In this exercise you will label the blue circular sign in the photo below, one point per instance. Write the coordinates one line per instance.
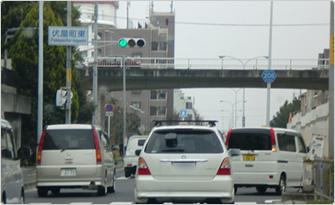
(269, 76)
(109, 107)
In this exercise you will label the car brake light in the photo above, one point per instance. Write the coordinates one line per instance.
(273, 140)
(227, 139)
(97, 146)
(40, 147)
(224, 168)
(143, 168)
(137, 63)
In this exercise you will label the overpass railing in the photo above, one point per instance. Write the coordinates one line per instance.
(197, 63)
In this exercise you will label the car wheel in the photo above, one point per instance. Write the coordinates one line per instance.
(127, 173)
(101, 191)
(261, 189)
(42, 192)
(282, 185)
(22, 198)
(4, 199)
(55, 191)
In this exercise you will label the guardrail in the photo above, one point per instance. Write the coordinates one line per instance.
(323, 177)
(197, 63)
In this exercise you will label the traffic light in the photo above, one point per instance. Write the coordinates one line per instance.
(132, 42)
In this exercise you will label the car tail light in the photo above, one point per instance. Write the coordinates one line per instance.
(227, 138)
(273, 140)
(224, 168)
(40, 148)
(97, 146)
(137, 63)
(143, 168)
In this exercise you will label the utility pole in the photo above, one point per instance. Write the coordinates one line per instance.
(95, 67)
(124, 125)
(331, 86)
(68, 71)
(269, 68)
(40, 72)
(128, 5)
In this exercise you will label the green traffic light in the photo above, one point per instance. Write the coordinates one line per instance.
(123, 43)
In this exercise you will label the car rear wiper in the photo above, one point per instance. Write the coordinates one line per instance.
(172, 150)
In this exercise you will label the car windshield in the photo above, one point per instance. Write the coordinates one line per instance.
(68, 139)
(250, 141)
(185, 141)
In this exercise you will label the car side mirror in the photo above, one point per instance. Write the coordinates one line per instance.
(235, 152)
(23, 152)
(138, 152)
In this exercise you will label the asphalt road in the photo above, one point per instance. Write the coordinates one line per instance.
(125, 194)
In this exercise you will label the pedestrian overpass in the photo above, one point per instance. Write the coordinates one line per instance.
(169, 73)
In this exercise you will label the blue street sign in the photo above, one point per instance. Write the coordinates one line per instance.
(109, 107)
(183, 113)
(269, 76)
(67, 36)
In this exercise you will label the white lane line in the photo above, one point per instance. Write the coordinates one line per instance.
(245, 203)
(121, 178)
(81, 202)
(270, 201)
(122, 202)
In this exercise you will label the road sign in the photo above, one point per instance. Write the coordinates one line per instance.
(108, 114)
(269, 76)
(109, 108)
(67, 36)
(61, 97)
(183, 113)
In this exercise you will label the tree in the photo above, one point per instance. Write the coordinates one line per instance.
(282, 116)
(24, 54)
(132, 122)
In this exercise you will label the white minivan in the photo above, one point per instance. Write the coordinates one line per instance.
(135, 144)
(12, 187)
(270, 158)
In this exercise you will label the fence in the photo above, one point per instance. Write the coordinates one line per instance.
(323, 177)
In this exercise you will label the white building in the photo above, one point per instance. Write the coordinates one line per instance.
(106, 20)
(180, 101)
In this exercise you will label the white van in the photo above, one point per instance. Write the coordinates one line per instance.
(135, 143)
(12, 186)
(270, 158)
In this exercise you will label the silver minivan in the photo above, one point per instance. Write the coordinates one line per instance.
(74, 156)
(12, 186)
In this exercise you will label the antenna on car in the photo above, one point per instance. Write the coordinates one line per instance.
(210, 122)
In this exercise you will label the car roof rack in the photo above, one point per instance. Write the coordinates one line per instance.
(197, 122)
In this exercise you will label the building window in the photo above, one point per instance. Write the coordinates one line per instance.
(100, 35)
(167, 22)
(162, 46)
(137, 55)
(154, 46)
(153, 111)
(162, 95)
(153, 94)
(136, 91)
(157, 21)
(315, 93)
(188, 105)
(161, 111)
(136, 105)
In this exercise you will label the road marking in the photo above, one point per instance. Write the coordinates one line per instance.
(122, 202)
(270, 201)
(81, 202)
(245, 203)
(122, 178)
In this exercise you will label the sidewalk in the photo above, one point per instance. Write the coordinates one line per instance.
(29, 174)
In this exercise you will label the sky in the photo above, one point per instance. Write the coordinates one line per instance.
(241, 29)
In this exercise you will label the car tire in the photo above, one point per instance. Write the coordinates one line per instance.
(42, 192)
(281, 186)
(127, 173)
(101, 191)
(22, 198)
(261, 189)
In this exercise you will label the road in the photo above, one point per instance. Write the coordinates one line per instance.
(125, 195)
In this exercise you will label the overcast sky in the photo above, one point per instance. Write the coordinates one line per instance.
(246, 40)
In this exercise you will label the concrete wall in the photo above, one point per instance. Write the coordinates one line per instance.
(313, 122)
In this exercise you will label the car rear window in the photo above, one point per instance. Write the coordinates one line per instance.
(186, 141)
(250, 141)
(68, 139)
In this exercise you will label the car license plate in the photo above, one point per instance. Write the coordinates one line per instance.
(68, 172)
(249, 157)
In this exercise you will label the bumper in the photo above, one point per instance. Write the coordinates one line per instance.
(220, 187)
(254, 179)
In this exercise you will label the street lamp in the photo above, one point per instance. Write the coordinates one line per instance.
(244, 64)
(232, 111)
